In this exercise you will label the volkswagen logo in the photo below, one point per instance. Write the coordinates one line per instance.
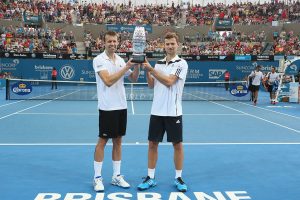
(67, 72)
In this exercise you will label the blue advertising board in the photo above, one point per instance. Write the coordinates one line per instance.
(127, 28)
(75, 70)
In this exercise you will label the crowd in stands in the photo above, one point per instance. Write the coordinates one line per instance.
(25, 39)
(108, 13)
(225, 43)
(22, 39)
(245, 13)
(286, 43)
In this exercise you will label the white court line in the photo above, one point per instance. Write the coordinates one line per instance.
(277, 124)
(146, 144)
(35, 106)
(85, 114)
(132, 107)
(71, 114)
(270, 110)
(11, 103)
(30, 98)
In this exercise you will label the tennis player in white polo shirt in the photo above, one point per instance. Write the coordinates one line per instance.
(167, 78)
(110, 70)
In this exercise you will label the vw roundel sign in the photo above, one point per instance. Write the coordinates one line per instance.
(67, 72)
(238, 90)
(21, 88)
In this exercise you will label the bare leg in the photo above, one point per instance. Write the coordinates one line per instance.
(152, 154)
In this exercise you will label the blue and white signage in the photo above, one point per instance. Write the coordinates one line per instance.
(238, 90)
(21, 88)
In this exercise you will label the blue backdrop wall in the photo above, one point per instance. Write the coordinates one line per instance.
(74, 70)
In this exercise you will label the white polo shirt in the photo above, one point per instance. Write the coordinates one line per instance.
(258, 76)
(272, 77)
(167, 101)
(113, 97)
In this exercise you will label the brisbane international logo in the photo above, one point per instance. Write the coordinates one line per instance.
(67, 72)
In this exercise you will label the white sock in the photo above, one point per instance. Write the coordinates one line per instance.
(178, 173)
(97, 168)
(151, 172)
(116, 168)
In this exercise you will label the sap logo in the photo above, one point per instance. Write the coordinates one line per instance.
(216, 73)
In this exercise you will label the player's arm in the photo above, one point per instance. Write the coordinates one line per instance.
(133, 77)
(110, 79)
(164, 79)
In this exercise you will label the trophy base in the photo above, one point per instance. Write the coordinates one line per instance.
(138, 58)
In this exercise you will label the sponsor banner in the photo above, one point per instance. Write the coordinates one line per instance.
(262, 57)
(148, 54)
(238, 90)
(293, 68)
(242, 57)
(83, 69)
(127, 28)
(294, 92)
(74, 70)
(21, 88)
(278, 57)
(44, 56)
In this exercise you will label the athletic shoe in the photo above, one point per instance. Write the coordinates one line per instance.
(98, 184)
(147, 183)
(180, 185)
(119, 181)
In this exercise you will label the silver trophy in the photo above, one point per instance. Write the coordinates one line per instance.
(139, 45)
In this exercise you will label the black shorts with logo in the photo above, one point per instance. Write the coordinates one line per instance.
(161, 124)
(112, 124)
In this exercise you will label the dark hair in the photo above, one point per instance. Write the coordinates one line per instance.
(171, 35)
(110, 33)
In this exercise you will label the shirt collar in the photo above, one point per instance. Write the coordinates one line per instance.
(105, 56)
(173, 59)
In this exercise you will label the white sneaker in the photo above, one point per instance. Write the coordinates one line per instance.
(98, 184)
(119, 181)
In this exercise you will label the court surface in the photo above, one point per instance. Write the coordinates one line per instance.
(233, 150)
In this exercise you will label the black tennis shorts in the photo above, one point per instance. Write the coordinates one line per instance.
(255, 88)
(161, 124)
(112, 124)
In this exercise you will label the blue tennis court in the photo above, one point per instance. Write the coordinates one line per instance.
(233, 151)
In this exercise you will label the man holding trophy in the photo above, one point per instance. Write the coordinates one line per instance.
(110, 70)
(167, 78)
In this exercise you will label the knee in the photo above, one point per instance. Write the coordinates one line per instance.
(117, 141)
(153, 146)
(178, 146)
(100, 147)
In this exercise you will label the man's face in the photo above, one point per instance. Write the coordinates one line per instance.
(171, 46)
(111, 43)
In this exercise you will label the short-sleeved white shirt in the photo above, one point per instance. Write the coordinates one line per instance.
(167, 101)
(272, 78)
(113, 97)
(257, 77)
